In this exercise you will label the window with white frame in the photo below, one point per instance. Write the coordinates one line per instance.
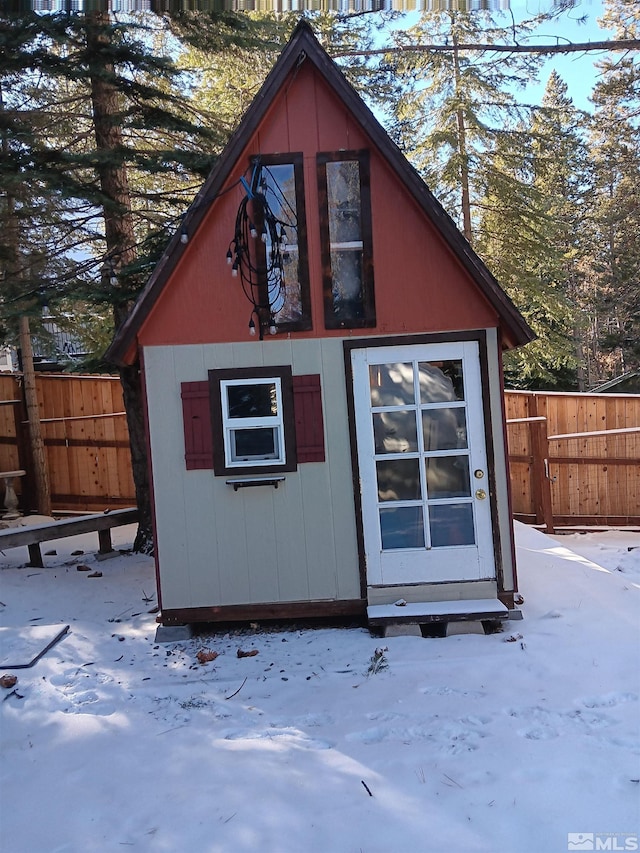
(252, 419)
(252, 422)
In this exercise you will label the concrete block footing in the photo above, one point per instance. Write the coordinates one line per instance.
(107, 555)
(173, 633)
(465, 627)
(402, 630)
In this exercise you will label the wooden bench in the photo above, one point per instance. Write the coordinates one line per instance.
(33, 535)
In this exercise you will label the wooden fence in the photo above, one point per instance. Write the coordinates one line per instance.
(85, 436)
(575, 458)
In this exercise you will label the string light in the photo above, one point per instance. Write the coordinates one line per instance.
(260, 263)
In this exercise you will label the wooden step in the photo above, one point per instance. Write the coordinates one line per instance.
(422, 612)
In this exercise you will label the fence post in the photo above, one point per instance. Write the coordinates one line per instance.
(541, 483)
(28, 499)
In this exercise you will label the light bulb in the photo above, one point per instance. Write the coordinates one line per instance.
(272, 328)
(252, 328)
(252, 230)
(229, 257)
(234, 269)
(184, 237)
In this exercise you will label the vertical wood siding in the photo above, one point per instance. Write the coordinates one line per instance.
(594, 479)
(220, 547)
(607, 488)
(85, 436)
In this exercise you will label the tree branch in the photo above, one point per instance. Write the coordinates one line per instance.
(584, 47)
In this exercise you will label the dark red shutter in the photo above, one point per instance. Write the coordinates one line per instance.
(307, 401)
(196, 413)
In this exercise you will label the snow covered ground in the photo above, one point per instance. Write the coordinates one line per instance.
(508, 742)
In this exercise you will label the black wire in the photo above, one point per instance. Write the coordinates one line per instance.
(258, 278)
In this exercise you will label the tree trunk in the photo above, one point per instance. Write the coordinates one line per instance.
(462, 148)
(120, 240)
(38, 455)
(132, 394)
(13, 275)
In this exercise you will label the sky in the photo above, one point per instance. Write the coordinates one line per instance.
(577, 70)
(522, 741)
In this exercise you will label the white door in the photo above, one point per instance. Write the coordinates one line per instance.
(423, 463)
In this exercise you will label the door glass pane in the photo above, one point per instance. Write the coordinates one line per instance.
(391, 384)
(448, 477)
(451, 524)
(444, 429)
(441, 381)
(254, 444)
(401, 527)
(398, 480)
(395, 432)
(252, 401)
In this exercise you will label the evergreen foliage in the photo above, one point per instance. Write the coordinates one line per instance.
(516, 178)
(614, 270)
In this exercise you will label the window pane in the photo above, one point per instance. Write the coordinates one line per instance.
(279, 188)
(289, 306)
(448, 477)
(252, 401)
(444, 429)
(391, 384)
(441, 381)
(343, 192)
(346, 239)
(260, 443)
(395, 432)
(398, 480)
(346, 288)
(451, 524)
(401, 527)
(281, 185)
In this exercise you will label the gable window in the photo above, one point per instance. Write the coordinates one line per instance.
(253, 422)
(346, 241)
(281, 184)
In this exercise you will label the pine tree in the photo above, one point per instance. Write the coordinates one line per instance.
(562, 180)
(614, 273)
(515, 238)
(93, 77)
(457, 106)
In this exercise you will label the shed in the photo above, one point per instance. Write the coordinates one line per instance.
(321, 352)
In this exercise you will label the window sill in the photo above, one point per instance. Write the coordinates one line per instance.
(254, 481)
